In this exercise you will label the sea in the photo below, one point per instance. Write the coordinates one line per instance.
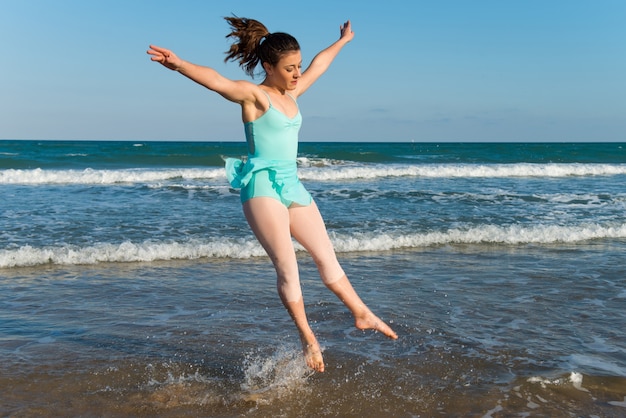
(131, 285)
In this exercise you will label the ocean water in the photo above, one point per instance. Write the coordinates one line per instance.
(130, 284)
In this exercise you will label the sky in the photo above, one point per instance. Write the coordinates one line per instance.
(422, 71)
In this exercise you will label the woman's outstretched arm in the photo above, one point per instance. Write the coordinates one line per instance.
(324, 58)
(237, 91)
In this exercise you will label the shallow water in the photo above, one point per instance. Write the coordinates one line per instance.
(130, 284)
(483, 332)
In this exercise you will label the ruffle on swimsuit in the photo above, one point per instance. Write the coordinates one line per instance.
(282, 173)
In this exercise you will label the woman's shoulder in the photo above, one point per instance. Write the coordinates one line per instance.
(258, 103)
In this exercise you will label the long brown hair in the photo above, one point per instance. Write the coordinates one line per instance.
(256, 44)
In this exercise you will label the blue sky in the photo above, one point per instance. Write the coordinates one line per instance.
(438, 70)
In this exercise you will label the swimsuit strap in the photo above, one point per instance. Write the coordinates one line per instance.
(268, 97)
(270, 100)
(292, 98)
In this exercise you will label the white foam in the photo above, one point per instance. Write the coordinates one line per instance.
(90, 176)
(576, 379)
(463, 170)
(128, 252)
(321, 162)
(316, 169)
(487, 234)
(358, 242)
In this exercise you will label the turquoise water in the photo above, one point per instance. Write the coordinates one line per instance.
(131, 284)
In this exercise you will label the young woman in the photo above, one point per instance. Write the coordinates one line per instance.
(275, 203)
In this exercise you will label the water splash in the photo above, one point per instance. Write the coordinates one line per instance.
(274, 376)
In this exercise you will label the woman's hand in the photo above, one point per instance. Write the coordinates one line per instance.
(165, 57)
(346, 31)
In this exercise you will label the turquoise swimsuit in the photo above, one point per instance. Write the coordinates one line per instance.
(270, 169)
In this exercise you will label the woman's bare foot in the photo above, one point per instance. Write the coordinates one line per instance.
(370, 321)
(310, 346)
(313, 354)
(363, 317)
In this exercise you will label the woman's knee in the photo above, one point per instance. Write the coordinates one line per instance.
(330, 270)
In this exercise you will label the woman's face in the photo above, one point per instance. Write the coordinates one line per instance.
(286, 72)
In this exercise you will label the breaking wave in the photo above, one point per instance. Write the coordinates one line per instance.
(149, 251)
(323, 171)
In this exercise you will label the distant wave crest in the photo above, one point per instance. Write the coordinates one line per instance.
(464, 170)
(325, 170)
(360, 242)
(91, 176)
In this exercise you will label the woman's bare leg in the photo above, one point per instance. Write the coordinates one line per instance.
(269, 220)
(307, 226)
(310, 347)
